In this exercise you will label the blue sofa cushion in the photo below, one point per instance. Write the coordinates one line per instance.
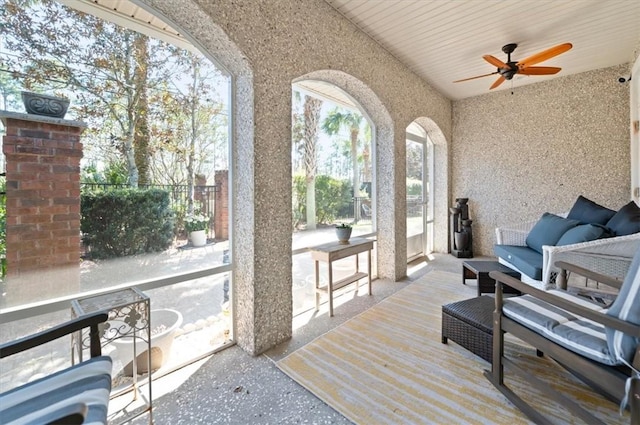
(582, 233)
(548, 231)
(523, 258)
(626, 307)
(626, 221)
(587, 212)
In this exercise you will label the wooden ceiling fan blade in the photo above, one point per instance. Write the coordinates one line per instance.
(499, 81)
(495, 61)
(539, 70)
(545, 54)
(477, 76)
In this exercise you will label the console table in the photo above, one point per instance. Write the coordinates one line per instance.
(333, 251)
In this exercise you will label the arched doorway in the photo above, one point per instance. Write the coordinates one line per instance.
(333, 179)
(420, 206)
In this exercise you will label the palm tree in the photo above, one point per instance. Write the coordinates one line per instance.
(336, 120)
(312, 108)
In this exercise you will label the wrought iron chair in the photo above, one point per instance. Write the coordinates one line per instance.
(598, 344)
(75, 395)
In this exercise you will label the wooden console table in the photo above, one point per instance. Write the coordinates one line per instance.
(333, 251)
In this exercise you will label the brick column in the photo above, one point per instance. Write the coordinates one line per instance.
(221, 211)
(43, 192)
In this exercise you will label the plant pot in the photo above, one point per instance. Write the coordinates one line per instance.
(42, 104)
(163, 326)
(198, 238)
(343, 234)
(461, 239)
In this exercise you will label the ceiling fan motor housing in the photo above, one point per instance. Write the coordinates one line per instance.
(508, 73)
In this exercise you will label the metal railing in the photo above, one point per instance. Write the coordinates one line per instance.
(204, 196)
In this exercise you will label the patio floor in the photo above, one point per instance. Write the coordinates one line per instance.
(237, 388)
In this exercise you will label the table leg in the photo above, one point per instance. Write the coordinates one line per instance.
(330, 288)
(357, 270)
(317, 285)
(369, 270)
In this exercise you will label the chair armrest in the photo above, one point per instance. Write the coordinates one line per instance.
(598, 277)
(604, 319)
(515, 234)
(617, 246)
(610, 256)
(88, 321)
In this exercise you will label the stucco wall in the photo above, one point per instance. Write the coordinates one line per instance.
(269, 44)
(518, 155)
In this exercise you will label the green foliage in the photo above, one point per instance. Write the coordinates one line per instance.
(414, 187)
(124, 222)
(333, 198)
(194, 222)
(113, 173)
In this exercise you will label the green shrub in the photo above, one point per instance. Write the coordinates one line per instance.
(333, 199)
(117, 223)
(414, 187)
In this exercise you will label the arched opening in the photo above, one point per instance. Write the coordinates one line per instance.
(438, 184)
(382, 159)
(333, 180)
(420, 168)
(175, 282)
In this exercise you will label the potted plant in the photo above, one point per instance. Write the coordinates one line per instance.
(196, 226)
(43, 104)
(343, 232)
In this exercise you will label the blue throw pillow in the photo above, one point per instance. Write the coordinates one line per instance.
(581, 233)
(548, 231)
(626, 307)
(587, 212)
(626, 221)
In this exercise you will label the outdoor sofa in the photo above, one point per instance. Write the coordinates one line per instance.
(589, 235)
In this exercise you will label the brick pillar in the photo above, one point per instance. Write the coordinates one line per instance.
(221, 209)
(43, 192)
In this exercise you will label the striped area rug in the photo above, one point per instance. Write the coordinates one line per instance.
(389, 366)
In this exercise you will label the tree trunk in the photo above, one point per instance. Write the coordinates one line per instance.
(354, 160)
(312, 108)
(191, 155)
(141, 135)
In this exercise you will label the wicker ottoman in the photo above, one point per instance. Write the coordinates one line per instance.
(469, 323)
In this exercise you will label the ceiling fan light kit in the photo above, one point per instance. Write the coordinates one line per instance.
(507, 70)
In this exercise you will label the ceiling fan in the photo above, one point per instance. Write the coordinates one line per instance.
(510, 68)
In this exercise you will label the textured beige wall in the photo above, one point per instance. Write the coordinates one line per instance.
(518, 155)
(267, 44)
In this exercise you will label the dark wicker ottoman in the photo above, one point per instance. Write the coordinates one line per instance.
(469, 323)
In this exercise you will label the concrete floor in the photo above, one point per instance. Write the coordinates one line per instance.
(232, 387)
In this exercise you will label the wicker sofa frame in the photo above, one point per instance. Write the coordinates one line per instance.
(609, 256)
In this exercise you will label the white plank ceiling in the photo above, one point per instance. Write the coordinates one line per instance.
(443, 41)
